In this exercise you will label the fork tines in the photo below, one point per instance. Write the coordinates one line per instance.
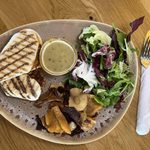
(146, 49)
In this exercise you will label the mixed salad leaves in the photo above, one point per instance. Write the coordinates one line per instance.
(103, 65)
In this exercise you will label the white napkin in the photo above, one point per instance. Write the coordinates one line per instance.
(143, 116)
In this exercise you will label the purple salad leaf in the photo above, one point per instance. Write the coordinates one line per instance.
(107, 84)
(102, 51)
(106, 51)
(108, 61)
(134, 26)
(100, 75)
(97, 71)
(114, 43)
(82, 56)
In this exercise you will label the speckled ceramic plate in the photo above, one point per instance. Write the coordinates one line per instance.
(22, 113)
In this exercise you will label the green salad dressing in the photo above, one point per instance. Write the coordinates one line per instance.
(58, 56)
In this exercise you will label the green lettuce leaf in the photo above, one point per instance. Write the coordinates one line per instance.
(110, 97)
(119, 70)
(93, 39)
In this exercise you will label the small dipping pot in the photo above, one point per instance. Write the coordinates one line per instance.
(57, 57)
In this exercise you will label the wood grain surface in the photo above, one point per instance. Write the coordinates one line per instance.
(14, 13)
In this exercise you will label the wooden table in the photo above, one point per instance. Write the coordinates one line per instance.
(18, 12)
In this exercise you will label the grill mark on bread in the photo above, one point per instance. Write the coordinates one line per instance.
(12, 63)
(31, 87)
(6, 87)
(15, 64)
(24, 33)
(30, 40)
(22, 55)
(14, 70)
(29, 36)
(28, 96)
(16, 53)
(5, 91)
(30, 45)
(16, 87)
(9, 89)
(22, 87)
(21, 39)
(16, 44)
(8, 62)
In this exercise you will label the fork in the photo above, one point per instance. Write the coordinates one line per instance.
(145, 55)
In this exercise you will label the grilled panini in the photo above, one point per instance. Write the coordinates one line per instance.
(22, 87)
(19, 55)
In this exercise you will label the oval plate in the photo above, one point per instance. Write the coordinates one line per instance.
(22, 113)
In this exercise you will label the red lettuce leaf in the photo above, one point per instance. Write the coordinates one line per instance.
(134, 26)
(109, 59)
(114, 43)
(101, 74)
(109, 53)
(82, 56)
(96, 63)
(102, 51)
(107, 84)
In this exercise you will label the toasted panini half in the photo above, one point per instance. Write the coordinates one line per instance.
(22, 87)
(19, 55)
